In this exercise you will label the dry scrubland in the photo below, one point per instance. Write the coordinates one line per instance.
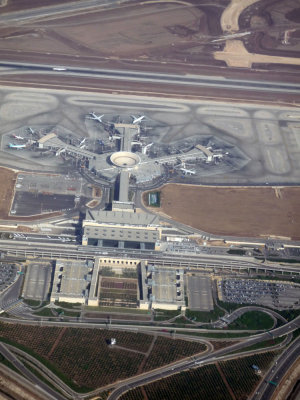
(237, 211)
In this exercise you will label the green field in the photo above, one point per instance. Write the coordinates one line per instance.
(253, 320)
(205, 316)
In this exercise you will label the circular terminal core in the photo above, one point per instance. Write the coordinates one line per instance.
(125, 159)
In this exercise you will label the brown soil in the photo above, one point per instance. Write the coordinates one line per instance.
(221, 345)
(7, 183)
(237, 211)
(13, 388)
(20, 5)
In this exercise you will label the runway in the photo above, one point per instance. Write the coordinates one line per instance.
(155, 78)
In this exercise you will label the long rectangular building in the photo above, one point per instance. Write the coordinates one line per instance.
(121, 229)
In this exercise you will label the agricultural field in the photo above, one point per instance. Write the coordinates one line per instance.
(92, 362)
(206, 382)
(210, 382)
(118, 292)
(240, 375)
(166, 351)
(237, 211)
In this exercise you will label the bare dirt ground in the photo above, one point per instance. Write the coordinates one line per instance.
(183, 35)
(235, 211)
(7, 183)
(12, 388)
(18, 5)
(162, 90)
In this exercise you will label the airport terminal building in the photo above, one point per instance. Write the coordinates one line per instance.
(121, 228)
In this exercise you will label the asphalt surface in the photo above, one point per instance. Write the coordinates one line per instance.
(52, 394)
(192, 80)
(265, 390)
(62, 250)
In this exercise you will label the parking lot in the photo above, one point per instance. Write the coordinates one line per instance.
(7, 275)
(37, 281)
(275, 294)
(26, 203)
(200, 293)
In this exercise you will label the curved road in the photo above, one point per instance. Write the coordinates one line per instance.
(184, 365)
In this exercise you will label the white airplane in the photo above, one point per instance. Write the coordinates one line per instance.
(96, 117)
(81, 143)
(82, 147)
(18, 137)
(187, 171)
(136, 120)
(60, 151)
(145, 148)
(31, 130)
(16, 146)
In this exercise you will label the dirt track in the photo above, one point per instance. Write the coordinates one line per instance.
(236, 211)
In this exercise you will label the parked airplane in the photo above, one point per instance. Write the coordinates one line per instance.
(31, 130)
(18, 137)
(187, 171)
(81, 143)
(136, 120)
(60, 151)
(16, 146)
(145, 148)
(83, 146)
(96, 117)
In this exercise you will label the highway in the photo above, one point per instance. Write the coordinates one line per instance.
(67, 250)
(154, 78)
(206, 359)
(265, 390)
(52, 394)
(168, 370)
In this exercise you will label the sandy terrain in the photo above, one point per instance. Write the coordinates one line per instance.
(236, 55)
(237, 211)
(7, 183)
(230, 16)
